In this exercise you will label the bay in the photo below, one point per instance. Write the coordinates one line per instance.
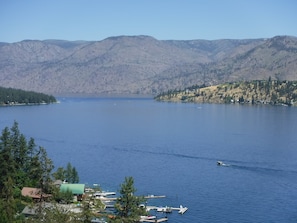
(171, 149)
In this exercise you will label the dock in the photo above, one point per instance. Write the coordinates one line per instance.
(105, 198)
(155, 220)
(180, 209)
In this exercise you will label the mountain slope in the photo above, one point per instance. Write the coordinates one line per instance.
(142, 64)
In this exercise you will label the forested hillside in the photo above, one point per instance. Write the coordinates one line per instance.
(24, 164)
(26, 167)
(10, 96)
(252, 92)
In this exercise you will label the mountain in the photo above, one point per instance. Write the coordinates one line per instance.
(142, 64)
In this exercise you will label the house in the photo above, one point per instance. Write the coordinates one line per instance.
(34, 193)
(76, 189)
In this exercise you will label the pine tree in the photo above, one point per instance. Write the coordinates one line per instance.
(71, 174)
(127, 205)
(46, 166)
(7, 194)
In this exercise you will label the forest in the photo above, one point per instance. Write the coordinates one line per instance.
(11, 96)
(24, 164)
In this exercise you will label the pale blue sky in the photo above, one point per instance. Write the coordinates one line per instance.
(162, 19)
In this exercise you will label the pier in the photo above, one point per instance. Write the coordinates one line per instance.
(180, 209)
(154, 220)
(109, 203)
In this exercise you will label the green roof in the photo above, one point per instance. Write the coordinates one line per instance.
(74, 188)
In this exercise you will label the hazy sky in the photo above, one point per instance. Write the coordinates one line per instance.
(162, 19)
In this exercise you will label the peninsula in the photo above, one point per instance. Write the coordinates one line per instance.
(271, 92)
(11, 96)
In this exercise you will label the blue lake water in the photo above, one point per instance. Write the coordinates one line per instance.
(171, 149)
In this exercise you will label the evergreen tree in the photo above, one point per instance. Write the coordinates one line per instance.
(46, 166)
(3, 213)
(7, 164)
(59, 174)
(10, 96)
(71, 174)
(127, 205)
(20, 165)
(75, 178)
(8, 199)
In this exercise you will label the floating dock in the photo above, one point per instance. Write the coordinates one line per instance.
(155, 220)
(180, 209)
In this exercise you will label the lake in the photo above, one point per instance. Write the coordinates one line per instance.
(171, 149)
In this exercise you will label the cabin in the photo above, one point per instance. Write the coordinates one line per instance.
(76, 189)
(34, 193)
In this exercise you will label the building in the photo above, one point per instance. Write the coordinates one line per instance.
(34, 193)
(76, 189)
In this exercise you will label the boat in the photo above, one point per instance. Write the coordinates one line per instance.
(164, 209)
(182, 209)
(150, 196)
(103, 193)
(149, 217)
(220, 163)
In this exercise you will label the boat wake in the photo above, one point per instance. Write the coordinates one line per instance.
(264, 170)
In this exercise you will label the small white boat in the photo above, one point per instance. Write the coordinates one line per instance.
(220, 163)
(103, 194)
(164, 209)
(149, 217)
(182, 209)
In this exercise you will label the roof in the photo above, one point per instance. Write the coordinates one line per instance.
(74, 188)
(31, 210)
(33, 192)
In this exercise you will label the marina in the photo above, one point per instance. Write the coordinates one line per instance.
(108, 199)
(108, 202)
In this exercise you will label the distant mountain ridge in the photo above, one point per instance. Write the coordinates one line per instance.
(142, 64)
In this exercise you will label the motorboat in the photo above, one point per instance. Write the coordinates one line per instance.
(103, 193)
(220, 163)
(164, 209)
(182, 209)
(150, 217)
